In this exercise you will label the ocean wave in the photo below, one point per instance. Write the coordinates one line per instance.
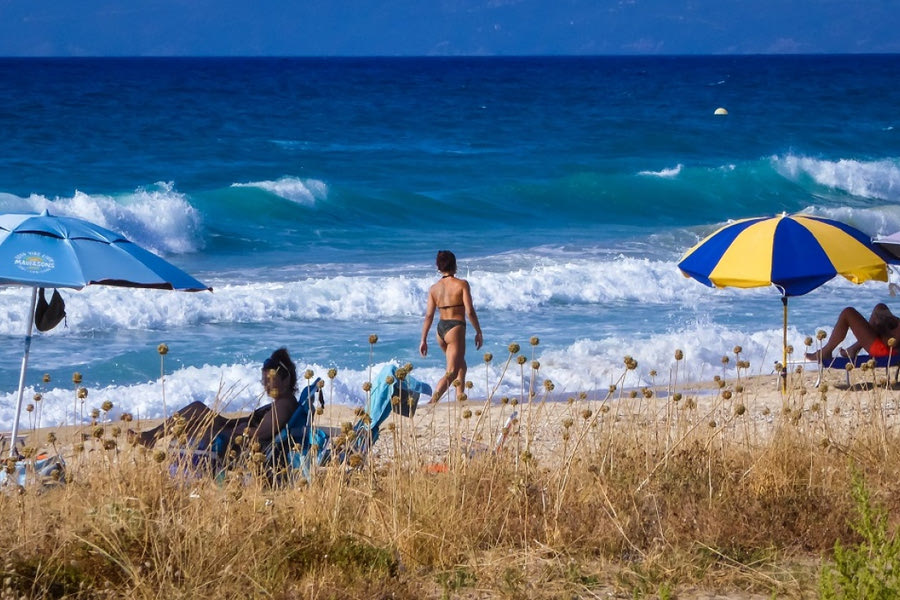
(875, 179)
(354, 297)
(158, 217)
(673, 172)
(584, 365)
(301, 191)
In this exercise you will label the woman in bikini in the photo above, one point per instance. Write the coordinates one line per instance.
(872, 334)
(279, 378)
(453, 298)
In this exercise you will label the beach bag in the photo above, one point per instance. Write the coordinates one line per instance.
(47, 315)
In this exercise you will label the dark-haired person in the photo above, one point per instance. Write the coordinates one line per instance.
(872, 334)
(279, 378)
(453, 298)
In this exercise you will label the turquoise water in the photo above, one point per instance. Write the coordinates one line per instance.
(312, 194)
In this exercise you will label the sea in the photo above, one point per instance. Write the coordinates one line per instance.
(312, 195)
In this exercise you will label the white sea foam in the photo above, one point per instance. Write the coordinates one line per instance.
(363, 297)
(159, 218)
(584, 365)
(664, 173)
(878, 179)
(300, 191)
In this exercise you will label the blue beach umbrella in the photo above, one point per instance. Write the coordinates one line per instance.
(65, 252)
(794, 253)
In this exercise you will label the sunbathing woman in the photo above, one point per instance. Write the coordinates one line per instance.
(872, 334)
(453, 298)
(279, 378)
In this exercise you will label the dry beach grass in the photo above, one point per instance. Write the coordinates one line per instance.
(728, 489)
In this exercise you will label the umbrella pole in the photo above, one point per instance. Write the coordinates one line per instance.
(15, 429)
(784, 344)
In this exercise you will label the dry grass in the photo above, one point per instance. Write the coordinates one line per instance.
(685, 492)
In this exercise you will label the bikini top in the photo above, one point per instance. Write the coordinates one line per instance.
(449, 305)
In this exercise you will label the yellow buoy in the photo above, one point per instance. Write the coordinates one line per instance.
(721, 111)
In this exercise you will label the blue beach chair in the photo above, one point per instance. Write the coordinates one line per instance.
(841, 362)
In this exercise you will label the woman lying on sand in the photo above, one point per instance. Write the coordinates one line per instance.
(279, 377)
(873, 335)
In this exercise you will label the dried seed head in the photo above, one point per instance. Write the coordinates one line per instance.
(504, 400)
(679, 354)
(159, 456)
(82, 393)
(534, 341)
(29, 407)
(789, 349)
(332, 373)
(740, 409)
(725, 359)
(652, 373)
(521, 360)
(535, 365)
(467, 414)
(107, 405)
(51, 438)
(163, 349)
(632, 394)
(737, 350)
(367, 386)
(612, 388)
(513, 348)
(462, 398)
(308, 374)
(808, 341)
(712, 424)
(586, 414)
(469, 385)
(548, 385)
(488, 357)
(95, 413)
(373, 339)
(821, 335)
(389, 379)
(567, 423)
(892, 342)
(514, 402)
(46, 377)
(676, 397)
(76, 377)
(38, 397)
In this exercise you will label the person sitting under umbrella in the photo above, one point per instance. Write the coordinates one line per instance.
(279, 377)
(873, 334)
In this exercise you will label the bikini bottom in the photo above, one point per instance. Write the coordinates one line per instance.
(445, 325)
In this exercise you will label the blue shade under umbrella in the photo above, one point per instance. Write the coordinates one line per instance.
(66, 252)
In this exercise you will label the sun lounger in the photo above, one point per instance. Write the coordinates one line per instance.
(841, 362)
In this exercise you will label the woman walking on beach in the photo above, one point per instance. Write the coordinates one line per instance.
(279, 378)
(453, 298)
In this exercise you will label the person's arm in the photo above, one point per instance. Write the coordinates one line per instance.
(429, 319)
(470, 311)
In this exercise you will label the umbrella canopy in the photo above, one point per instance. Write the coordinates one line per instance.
(66, 252)
(794, 253)
(891, 245)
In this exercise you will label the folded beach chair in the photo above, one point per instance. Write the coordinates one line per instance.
(393, 390)
(841, 362)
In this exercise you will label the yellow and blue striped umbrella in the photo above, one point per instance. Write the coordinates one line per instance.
(795, 253)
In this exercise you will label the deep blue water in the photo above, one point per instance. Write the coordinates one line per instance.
(312, 195)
